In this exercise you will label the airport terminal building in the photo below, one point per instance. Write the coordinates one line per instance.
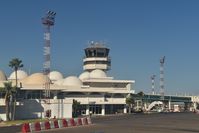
(97, 93)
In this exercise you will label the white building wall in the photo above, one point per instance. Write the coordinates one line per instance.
(96, 66)
(61, 108)
(2, 102)
(2, 113)
(28, 109)
(34, 108)
(129, 86)
(99, 100)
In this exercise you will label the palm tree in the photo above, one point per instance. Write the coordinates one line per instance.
(8, 95)
(130, 101)
(140, 96)
(15, 64)
(76, 108)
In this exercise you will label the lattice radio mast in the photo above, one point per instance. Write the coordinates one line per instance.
(153, 84)
(162, 61)
(48, 20)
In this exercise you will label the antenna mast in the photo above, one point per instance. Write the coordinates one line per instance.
(162, 61)
(48, 20)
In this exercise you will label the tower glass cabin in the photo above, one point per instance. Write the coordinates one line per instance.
(96, 57)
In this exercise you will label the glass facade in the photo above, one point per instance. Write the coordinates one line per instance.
(95, 109)
(114, 108)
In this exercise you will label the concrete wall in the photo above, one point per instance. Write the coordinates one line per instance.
(61, 109)
(30, 109)
(34, 108)
(2, 113)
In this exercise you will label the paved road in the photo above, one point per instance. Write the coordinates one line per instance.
(139, 123)
(155, 123)
(10, 129)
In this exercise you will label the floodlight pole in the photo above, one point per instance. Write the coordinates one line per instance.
(162, 89)
(48, 20)
(153, 84)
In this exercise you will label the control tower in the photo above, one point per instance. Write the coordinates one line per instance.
(96, 57)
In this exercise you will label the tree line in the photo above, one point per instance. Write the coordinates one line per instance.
(10, 91)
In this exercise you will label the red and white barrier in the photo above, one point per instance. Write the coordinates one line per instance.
(60, 123)
(42, 125)
(56, 125)
(72, 122)
(35, 126)
(65, 123)
(32, 127)
(25, 128)
(89, 120)
(52, 124)
(47, 125)
(84, 121)
(68, 122)
(78, 121)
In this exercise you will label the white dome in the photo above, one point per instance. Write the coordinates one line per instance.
(59, 82)
(36, 78)
(84, 75)
(2, 76)
(20, 75)
(97, 74)
(55, 75)
(72, 81)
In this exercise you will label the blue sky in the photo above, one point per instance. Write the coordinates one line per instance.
(138, 32)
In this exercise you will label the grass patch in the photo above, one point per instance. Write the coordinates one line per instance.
(23, 121)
